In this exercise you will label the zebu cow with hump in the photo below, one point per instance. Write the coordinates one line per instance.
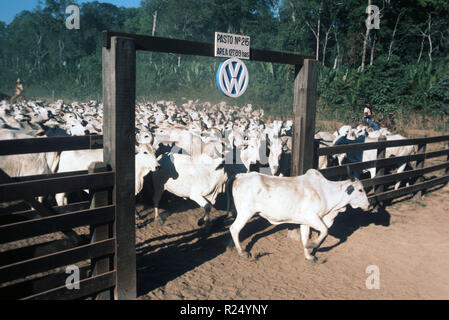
(309, 200)
(200, 178)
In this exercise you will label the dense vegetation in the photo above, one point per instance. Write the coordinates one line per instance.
(403, 67)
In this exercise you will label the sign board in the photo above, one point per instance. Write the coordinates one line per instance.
(231, 45)
(232, 77)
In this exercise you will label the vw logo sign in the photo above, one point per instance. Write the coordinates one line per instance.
(232, 77)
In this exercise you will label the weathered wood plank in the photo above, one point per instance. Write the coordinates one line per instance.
(100, 231)
(43, 211)
(34, 250)
(296, 147)
(51, 261)
(52, 144)
(17, 216)
(87, 287)
(21, 190)
(387, 195)
(390, 178)
(62, 222)
(304, 107)
(341, 170)
(380, 171)
(377, 145)
(176, 46)
(119, 90)
(447, 170)
(48, 176)
(420, 165)
(37, 285)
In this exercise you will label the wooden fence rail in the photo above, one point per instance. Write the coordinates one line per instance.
(176, 46)
(53, 144)
(378, 145)
(87, 287)
(381, 180)
(341, 170)
(21, 190)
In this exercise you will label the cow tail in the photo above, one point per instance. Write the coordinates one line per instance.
(229, 197)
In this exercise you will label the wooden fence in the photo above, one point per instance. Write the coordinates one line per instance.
(36, 268)
(377, 186)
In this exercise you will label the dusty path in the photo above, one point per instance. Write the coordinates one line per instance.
(409, 243)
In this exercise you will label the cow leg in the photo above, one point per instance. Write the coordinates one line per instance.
(242, 218)
(156, 198)
(329, 218)
(205, 218)
(305, 233)
(400, 169)
(207, 207)
(318, 225)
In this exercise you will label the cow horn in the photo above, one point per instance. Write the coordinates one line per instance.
(349, 173)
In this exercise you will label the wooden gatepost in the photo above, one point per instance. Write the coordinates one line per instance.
(119, 100)
(304, 109)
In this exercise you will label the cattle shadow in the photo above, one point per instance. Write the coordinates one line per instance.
(346, 223)
(256, 229)
(161, 263)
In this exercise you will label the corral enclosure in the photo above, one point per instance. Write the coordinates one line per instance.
(174, 261)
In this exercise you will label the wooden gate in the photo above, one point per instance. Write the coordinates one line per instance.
(38, 241)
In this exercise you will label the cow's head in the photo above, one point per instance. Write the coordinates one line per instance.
(75, 128)
(145, 163)
(357, 195)
(275, 155)
(144, 137)
(356, 192)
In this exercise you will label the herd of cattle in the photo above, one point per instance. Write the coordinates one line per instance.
(199, 150)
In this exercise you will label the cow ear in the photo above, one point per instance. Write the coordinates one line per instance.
(349, 189)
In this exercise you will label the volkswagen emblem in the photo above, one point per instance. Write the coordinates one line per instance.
(232, 77)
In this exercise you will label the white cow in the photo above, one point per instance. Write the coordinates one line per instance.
(182, 138)
(343, 130)
(274, 157)
(74, 127)
(369, 155)
(20, 165)
(81, 159)
(326, 136)
(199, 178)
(27, 164)
(326, 139)
(250, 152)
(309, 200)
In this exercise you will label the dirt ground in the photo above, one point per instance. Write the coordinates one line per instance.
(408, 242)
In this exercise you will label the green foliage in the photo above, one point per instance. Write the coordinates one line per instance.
(54, 61)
